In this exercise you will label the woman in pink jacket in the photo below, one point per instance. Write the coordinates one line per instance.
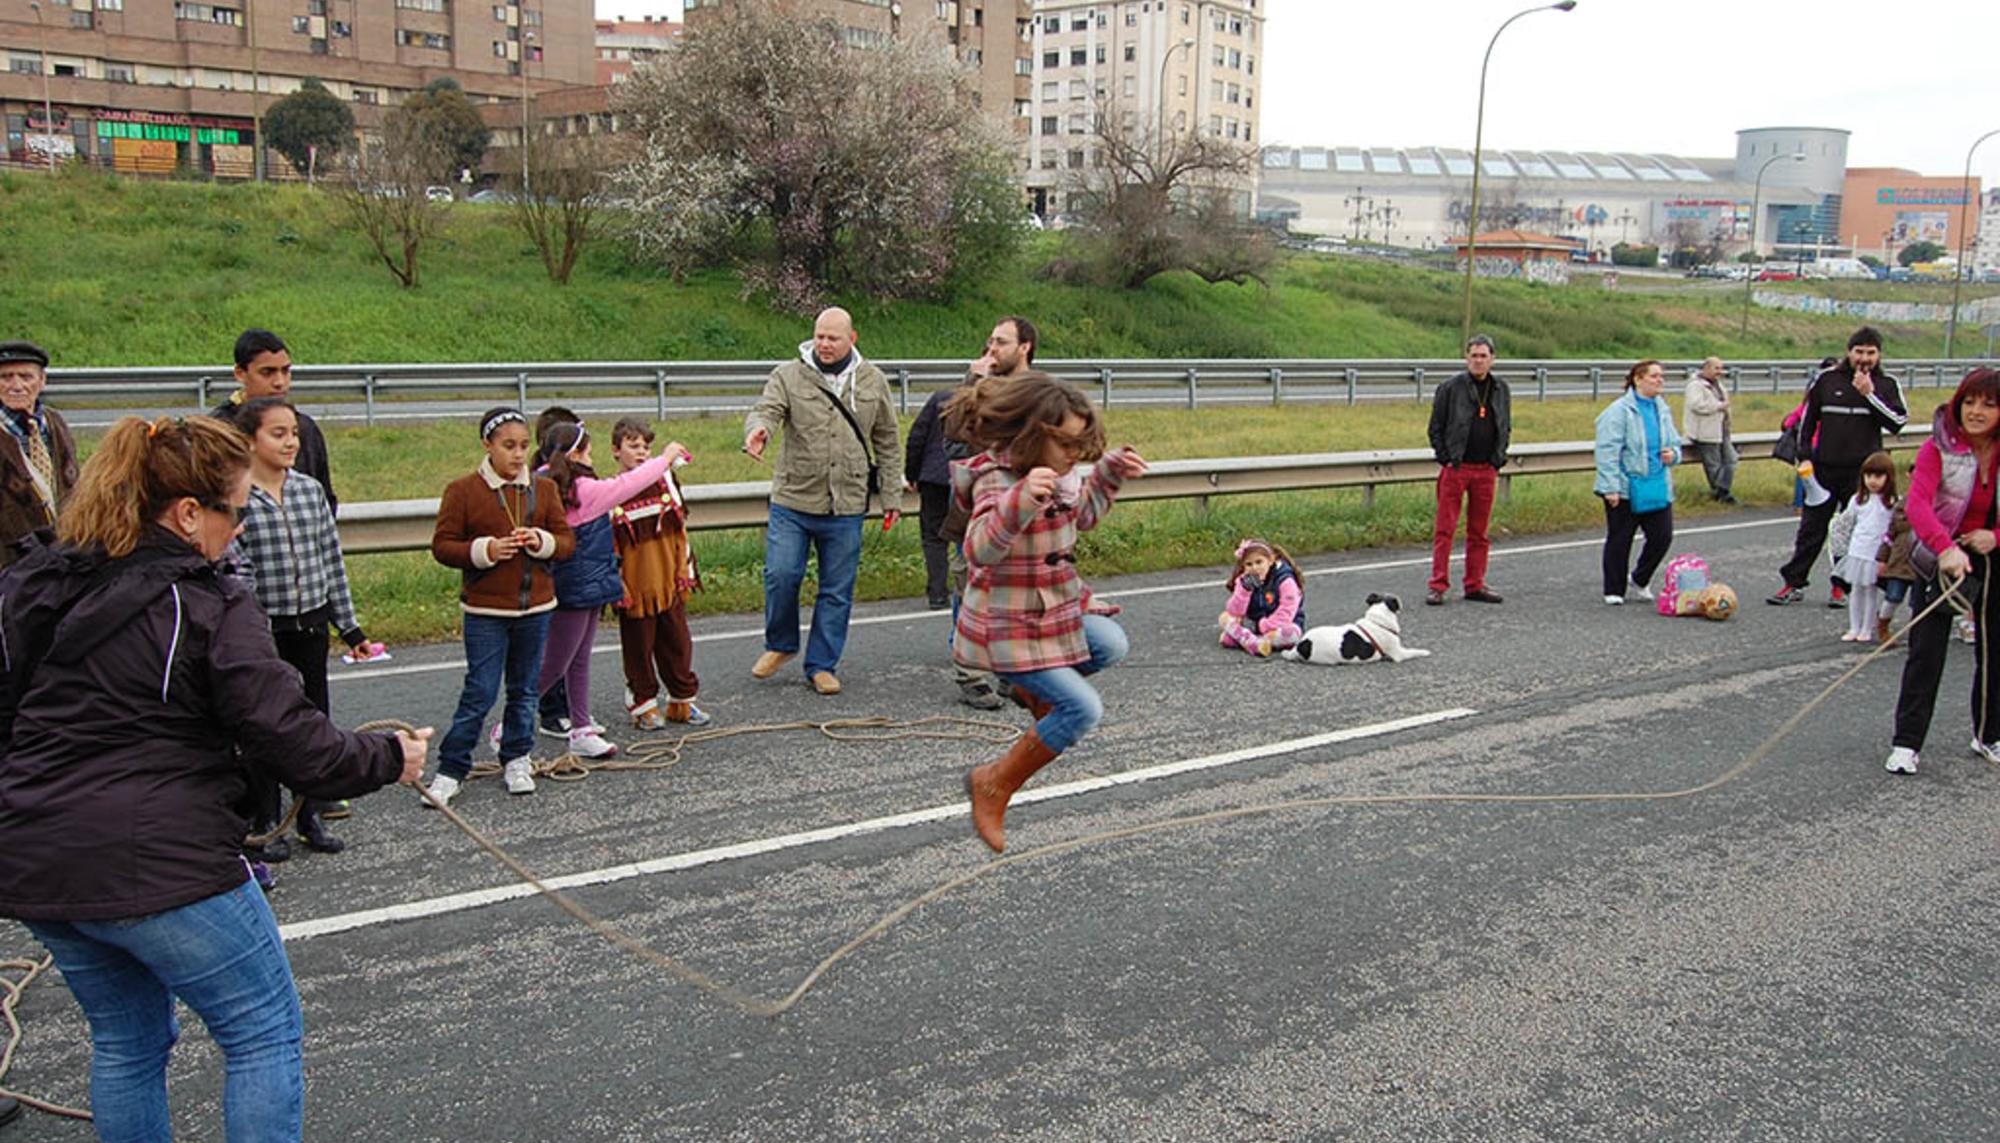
(1023, 615)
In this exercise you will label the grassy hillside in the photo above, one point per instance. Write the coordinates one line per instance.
(108, 271)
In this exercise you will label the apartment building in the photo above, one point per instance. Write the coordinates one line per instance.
(625, 44)
(989, 36)
(1158, 66)
(165, 85)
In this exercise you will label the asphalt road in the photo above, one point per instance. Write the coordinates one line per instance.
(1805, 953)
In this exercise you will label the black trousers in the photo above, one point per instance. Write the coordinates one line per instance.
(934, 507)
(1620, 522)
(1930, 639)
(1813, 521)
(305, 651)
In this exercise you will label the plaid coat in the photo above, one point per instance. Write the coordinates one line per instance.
(1023, 605)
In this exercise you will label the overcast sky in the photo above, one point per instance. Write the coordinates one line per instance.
(1914, 80)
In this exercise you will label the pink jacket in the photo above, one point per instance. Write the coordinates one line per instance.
(595, 497)
(1289, 596)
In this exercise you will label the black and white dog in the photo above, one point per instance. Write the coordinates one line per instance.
(1375, 636)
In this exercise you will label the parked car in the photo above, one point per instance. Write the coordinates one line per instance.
(1777, 275)
(437, 194)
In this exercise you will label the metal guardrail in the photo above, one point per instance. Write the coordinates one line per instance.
(405, 525)
(379, 389)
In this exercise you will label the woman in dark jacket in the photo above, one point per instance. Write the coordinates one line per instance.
(133, 677)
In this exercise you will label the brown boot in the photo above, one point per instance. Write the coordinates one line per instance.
(1881, 630)
(991, 785)
(1026, 700)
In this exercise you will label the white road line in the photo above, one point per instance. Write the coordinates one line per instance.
(1205, 584)
(480, 898)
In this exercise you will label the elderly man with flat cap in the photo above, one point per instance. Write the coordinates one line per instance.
(37, 454)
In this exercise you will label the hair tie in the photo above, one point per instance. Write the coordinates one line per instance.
(152, 429)
(493, 423)
(1249, 545)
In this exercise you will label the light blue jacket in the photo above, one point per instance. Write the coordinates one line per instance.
(1621, 445)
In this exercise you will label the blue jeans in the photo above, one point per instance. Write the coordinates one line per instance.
(223, 956)
(838, 541)
(496, 647)
(1074, 705)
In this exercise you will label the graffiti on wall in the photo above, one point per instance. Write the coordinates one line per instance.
(1981, 311)
(1549, 273)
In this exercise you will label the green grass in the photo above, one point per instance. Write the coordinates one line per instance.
(110, 271)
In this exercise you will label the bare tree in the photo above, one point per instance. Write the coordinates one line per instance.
(384, 192)
(558, 206)
(1153, 203)
(768, 144)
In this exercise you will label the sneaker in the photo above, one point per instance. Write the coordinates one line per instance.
(443, 788)
(980, 695)
(557, 727)
(687, 714)
(648, 718)
(1987, 750)
(266, 880)
(1784, 595)
(587, 743)
(1966, 630)
(1903, 760)
(1639, 591)
(1614, 600)
(335, 811)
(1836, 598)
(519, 774)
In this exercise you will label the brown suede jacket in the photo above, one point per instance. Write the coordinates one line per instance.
(479, 508)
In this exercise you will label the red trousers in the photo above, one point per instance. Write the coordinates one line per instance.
(659, 642)
(1473, 484)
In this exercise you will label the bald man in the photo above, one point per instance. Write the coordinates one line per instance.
(838, 421)
(1705, 424)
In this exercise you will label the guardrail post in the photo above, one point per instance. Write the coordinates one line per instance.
(903, 391)
(1506, 491)
(521, 387)
(1735, 379)
(1277, 386)
(660, 387)
(1416, 374)
(368, 394)
(1368, 497)
(1541, 382)
(201, 393)
(1354, 381)
(1192, 401)
(1774, 378)
(1104, 380)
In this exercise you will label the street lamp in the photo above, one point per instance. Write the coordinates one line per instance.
(48, 107)
(1756, 205)
(1478, 144)
(1167, 57)
(1958, 270)
(527, 39)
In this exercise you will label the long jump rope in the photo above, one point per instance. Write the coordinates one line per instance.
(664, 755)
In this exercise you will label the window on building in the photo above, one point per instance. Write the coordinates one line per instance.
(1235, 58)
(1048, 124)
(1250, 64)
(1221, 54)
(1076, 89)
(1078, 57)
(1181, 86)
(341, 29)
(1076, 159)
(1079, 125)
(1215, 124)
(1186, 17)
(301, 25)
(1215, 90)
(111, 5)
(1101, 89)
(1024, 67)
(1100, 53)
(500, 49)
(1079, 23)
(83, 19)
(1131, 53)
(1051, 59)
(315, 7)
(422, 5)
(118, 73)
(411, 38)
(24, 65)
(500, 13)
(1051, 91)
(532, 17)
(367, 95)
(1131, 16)
(1235, 94)
(1131, 87)
(1052, 25)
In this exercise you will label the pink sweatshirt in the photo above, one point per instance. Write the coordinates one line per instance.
(1288, 605)
(595, 497)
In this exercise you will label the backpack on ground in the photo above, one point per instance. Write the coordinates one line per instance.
(1686, 576)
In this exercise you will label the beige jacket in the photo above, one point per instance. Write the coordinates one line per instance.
(1704, 420)
(821, 468)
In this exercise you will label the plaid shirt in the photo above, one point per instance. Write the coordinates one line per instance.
(1024, 603)
(290, 553)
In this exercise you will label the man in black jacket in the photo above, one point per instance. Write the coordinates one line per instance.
(264, 369)
(1848, 407)
(1469, 430)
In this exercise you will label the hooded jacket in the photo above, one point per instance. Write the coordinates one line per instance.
(130, 691)
(822, 469)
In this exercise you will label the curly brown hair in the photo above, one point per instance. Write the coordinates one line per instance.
(1018, 417)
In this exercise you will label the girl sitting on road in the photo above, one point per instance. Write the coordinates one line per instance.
(501, 526)
(1023, 614)
(1266, 609)
(290, 551)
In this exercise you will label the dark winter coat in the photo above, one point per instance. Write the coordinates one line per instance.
(589, 578)
(1454, 407)
(130, 690)
(22, 510)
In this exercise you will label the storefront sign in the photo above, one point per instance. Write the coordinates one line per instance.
(171, 134)
(1919, 196)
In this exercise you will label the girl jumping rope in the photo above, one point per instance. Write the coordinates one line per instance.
(1024, 611)
(1874, 509)
(1266, 609)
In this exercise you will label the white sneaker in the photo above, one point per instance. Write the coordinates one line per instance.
(1987, 750)
(1614, 600)
(1639, 590)
(589, 743)
(519, 775)
(443, 788)
(1903, 760)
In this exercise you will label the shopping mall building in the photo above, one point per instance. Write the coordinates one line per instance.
(1813, 204)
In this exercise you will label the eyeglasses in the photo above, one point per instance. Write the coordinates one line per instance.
(233, 511)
